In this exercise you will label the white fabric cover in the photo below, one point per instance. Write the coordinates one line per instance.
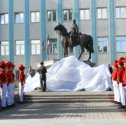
(32, 83)
(70, 74)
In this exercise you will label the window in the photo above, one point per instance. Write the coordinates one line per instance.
(19, 17)
(51, 15)
(84, 14)
(102, 13)
(102, 44)
(19, 47)
(53, 46)
(121, 12)
(67, 15)
(4, 19)
(35, 47)
(121, 44)
(4, 48)
(35, 16)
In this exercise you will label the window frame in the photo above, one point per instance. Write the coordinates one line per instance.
(101, 13)
(120, 51)
(4, 18)
(52, 43)
(36, 48)
(18, 14)
(68, 14)
(119, 13)
(6, 51)
(84, 14)
(98, 41)
(52, 15)
(36, 20)
(20, 48)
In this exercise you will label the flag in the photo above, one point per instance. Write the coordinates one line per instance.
(48, 43)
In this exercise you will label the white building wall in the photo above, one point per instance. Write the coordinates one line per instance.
(85, 26)
(19, 5)
(4, 6)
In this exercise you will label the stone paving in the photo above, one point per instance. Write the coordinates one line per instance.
(66, 111)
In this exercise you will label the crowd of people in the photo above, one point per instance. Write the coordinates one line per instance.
(119, 82)
(7, 84)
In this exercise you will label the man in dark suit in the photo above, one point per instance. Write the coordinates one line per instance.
(42, 71)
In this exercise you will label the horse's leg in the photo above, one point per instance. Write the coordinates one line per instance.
(67, 52)
(64, 52)
(89, 56)
(82, 50)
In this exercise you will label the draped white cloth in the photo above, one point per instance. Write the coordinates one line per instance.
(70, 74)
(32, 83)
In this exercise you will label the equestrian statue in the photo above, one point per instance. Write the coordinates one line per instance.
(74, 38)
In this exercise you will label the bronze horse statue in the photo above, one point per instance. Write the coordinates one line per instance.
(85, 41)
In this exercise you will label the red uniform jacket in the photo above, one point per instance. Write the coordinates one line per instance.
(12, 76)
(22, 77)
(124, 78)
(2, 78)
(114, 74)
(8, 75)
(0, 81)
(120, 75)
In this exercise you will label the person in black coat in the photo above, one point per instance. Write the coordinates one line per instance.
(42, 71)
(110, 68)
(31, 72)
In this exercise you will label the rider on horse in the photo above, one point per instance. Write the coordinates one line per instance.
(74, 33)
(85, 41)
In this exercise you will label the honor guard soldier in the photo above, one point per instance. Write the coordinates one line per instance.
(120, 75)
(8, 74)
(10, 83)
(124, 80)
(114, 81)
(3, 84)
(22, 78)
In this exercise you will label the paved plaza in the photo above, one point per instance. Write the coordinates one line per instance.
(64, 108)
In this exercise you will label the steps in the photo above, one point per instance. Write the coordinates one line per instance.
(68, 97)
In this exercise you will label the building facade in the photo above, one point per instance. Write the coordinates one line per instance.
(27, 33)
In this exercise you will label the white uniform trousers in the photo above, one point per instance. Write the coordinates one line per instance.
(3, 95)
(10, 94)
(115, 89)
(125, 93)
(122, 94)
(21, 94)
(118, 96)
